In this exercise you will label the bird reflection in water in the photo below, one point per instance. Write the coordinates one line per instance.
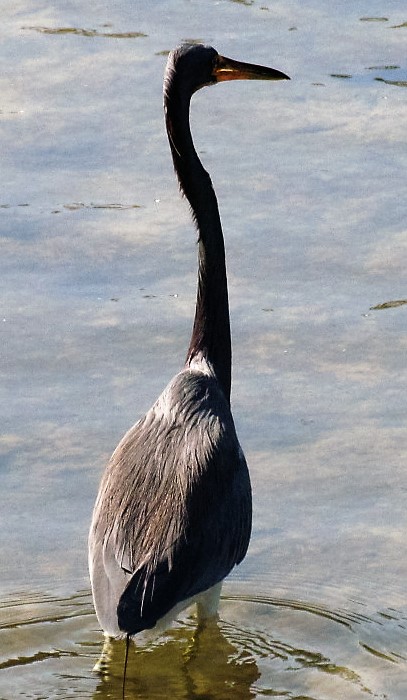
(192, 663)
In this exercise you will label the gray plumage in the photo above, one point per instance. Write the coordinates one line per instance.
(174, 507)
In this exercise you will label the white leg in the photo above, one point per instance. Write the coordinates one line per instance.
(208, 602)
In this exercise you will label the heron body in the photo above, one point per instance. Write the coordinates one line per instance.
(173, 513)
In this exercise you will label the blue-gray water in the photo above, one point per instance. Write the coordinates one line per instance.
(97, 276)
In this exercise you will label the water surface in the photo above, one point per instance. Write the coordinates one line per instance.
(98, 273)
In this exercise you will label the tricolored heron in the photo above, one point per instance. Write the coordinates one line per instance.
(173, 513)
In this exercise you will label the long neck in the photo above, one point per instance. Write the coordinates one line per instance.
(211, 330)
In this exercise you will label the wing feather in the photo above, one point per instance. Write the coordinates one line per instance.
(175, 502)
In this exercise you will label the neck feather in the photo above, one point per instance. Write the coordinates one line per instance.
(211, 330)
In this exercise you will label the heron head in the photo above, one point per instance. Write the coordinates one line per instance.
(197, 65)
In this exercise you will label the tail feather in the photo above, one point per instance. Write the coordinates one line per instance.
(146, 600)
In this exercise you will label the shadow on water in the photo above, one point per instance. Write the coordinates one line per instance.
(261, 647)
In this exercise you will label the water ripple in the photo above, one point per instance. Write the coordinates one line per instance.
(78, 31)
(262, 646)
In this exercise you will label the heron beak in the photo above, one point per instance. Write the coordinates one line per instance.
(228, 69)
